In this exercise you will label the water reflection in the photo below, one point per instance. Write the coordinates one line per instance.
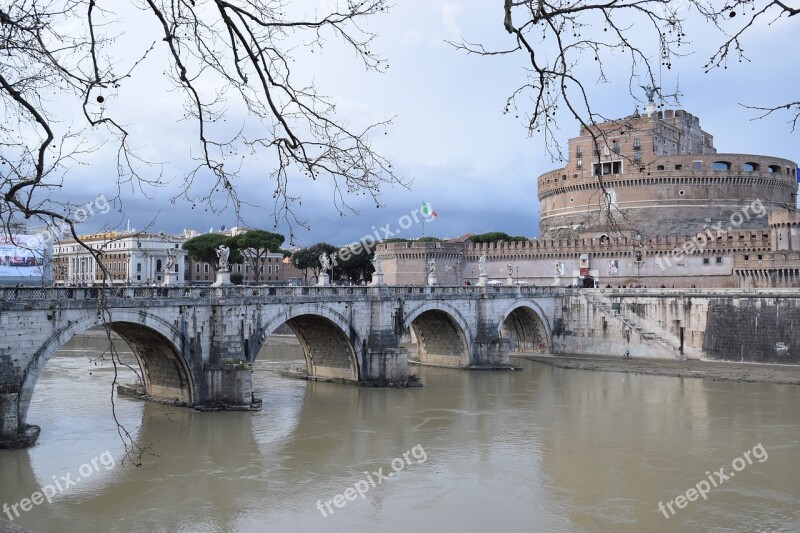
(543, 449)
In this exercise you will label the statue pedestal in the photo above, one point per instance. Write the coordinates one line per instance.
(223, 278)
(432, 280)
(324, 280)
(170, 278)
(483, 280)
(509, 280)
(377, 279)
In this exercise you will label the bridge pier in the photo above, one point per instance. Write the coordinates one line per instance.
(229, 385)
(385, 367)
(14, 435)
(494, 352)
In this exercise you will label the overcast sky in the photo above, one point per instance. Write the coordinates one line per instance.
(476, 166)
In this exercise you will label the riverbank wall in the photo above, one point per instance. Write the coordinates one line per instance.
(756, 326)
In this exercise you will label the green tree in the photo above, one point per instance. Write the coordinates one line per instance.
(307, 259)
(496, 236)
(203, 249)
(355, 266)
(255, 245)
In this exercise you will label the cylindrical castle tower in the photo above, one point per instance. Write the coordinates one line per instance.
(662, 175)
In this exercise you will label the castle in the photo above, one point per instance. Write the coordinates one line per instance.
(642, 201)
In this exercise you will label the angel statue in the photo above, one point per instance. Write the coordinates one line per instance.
(650, 91)
(223, 252)
(325, 262)
(432, 266)
(482, 265)
(376, 262)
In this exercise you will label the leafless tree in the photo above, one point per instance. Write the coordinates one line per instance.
(226, 57)
(60, 68)
(734, 19)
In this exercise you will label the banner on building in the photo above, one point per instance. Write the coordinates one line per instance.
(21, 256)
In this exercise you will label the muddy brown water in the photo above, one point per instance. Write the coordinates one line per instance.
(541, 449)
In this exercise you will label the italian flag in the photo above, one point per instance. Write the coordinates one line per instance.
(427, 210)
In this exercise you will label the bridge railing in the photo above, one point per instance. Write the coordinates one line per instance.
(195, 292)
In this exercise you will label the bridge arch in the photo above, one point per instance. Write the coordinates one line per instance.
(332, 347)
(156, 344)
(443, 335)
(525, 324)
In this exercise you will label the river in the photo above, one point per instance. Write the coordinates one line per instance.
(541, 449)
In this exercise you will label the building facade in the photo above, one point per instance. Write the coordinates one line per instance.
(657, 174)
(643, 201)
(128, 258)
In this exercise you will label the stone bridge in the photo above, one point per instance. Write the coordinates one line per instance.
(196, 345)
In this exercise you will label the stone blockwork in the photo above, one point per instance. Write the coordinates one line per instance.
(765, 330)
(733, 325)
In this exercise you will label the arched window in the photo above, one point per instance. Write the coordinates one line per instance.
(750, 167)
(158, 265)
(660, 167)
(720, 165)
(774, 168)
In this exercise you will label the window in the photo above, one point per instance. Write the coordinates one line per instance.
(205, 269)
(158, 265)
(773, 168)
(720, 165)
(269, 269)
(138, 267)
(197, 268)
(615, 146)
(637, 144)
(706, 261)
(698, 165)
(678, 167)
(610, 167)
(746, 257)
(579, 163)
(637, 157)
(579, 152)
(750, 167)
(719, 260)
(660, 167)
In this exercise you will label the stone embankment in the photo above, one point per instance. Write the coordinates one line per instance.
(691, 368)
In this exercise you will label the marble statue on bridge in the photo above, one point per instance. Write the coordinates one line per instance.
(223, 253)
